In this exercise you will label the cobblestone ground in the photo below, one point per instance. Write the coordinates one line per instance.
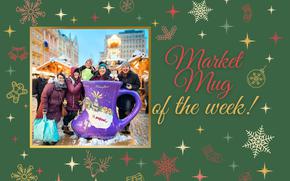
(139, 129)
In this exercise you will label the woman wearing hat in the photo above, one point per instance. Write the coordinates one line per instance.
(74, 97)
(103, 73)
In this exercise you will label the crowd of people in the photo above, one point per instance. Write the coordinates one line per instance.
(62, 96)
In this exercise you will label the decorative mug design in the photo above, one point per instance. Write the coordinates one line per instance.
(99, 118)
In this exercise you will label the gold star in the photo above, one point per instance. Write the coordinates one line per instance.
(155, 23)
(109, 7)
(9, 31)
(247, 41)
(72, 164)
(200, 129)
(264, 171)
(24, 155)
(182, 147)
(265, 108)
(74, 20)
(60, 14)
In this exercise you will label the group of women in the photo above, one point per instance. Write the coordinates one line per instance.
(66, 94)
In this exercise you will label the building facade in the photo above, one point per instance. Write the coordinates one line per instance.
(131, 40)
(51, 43)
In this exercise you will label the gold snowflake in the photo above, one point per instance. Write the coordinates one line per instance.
(30, 11)
(24, 174)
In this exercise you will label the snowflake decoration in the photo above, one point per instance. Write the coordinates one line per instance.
(24, 174)
(200, 11)
(127, 5)
(258, 141)
(30, 11)
(256, 78)
(165, 166)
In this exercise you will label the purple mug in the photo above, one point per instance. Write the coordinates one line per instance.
(99, 118)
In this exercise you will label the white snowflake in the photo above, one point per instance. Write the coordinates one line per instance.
(258, 141)
(200, 11)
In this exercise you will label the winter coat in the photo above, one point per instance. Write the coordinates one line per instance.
(74, 94)
(126, 102)
(51, 102)
(106, 76)
(131, 78)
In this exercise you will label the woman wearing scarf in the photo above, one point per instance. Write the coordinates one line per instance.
(51, 100)
(74, 96)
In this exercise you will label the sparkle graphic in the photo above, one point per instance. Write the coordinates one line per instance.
(233, 166)
(271, 10)
(228, 137)
(264, 171)
(30, 12)
(108, 7)
(226, 26)
(182, 147)
(200, 11)
(199, 176)
(172, 11)
(10, 70)
(72, 164)
(155, 23)
(39, 171)
(202, 34)
(10, 117)
(247, 41)
(269, 58)
(24, 155)
(10, 31)
(126, 159)
(226, 1)
(200, 129)
(276, 38)
(95, 17)
(265, 108)
(74, 20)
(60, 14)
(258, 141)
(141, 163)
(139, 18)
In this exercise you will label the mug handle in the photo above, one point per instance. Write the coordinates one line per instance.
(136, 109)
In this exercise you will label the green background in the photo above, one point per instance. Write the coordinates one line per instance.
(166, 137)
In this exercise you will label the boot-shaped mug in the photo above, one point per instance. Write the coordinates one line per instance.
(99, 118)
